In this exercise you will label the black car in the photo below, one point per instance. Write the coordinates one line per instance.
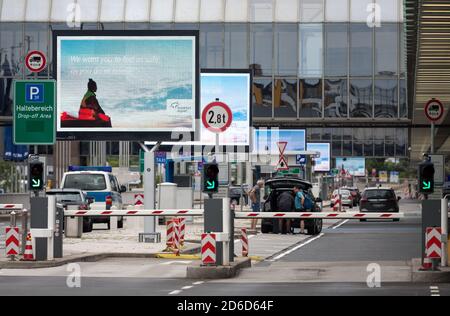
(277, 185)
(68, 197)
(379, 200)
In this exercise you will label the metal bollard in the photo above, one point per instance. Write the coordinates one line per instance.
(13, 222)
(24, 230)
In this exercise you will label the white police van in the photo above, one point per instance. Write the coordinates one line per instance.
(100, 185)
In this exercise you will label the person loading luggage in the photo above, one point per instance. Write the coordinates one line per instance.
(299, 202)
(285, 203)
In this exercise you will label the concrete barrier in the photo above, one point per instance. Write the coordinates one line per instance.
(219, 272)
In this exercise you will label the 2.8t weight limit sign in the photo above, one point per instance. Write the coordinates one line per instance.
(217, 117)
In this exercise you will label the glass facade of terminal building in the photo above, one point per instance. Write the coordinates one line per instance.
(317, 64)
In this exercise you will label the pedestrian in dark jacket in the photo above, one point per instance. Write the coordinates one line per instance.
(285, 203)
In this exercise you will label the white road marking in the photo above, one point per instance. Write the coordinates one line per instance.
(343, 223)
(296, 248)
(187, 287)
(198, 282)
(177, 261)
(435, 291)
(175, 292)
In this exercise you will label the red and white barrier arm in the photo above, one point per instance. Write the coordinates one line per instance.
(194, 212)
(319, 215)
(11, 206)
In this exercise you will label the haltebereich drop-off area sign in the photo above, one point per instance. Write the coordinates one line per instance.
(34, 112)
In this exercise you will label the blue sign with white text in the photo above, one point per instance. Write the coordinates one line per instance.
(160, 157)
(34, 92)
(300, 160)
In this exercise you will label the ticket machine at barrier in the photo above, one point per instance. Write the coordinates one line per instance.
(46, 228)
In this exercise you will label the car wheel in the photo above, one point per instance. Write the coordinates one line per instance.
(315, 228)
(87, 226)
(266, 229)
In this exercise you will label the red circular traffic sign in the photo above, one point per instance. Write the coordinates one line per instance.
(217, 117)
(434, 110)
(36, 61)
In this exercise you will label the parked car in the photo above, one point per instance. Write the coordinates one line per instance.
(68, 197)
(99, 184)
(379, 200)
(355, 194)
(274, 187)
(346, 195)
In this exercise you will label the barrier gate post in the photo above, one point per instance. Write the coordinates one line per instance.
(444, 227)
(46, 228)
(219, 218)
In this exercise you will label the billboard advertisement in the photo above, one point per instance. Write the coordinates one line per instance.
(231, 87)
(126, 82)
(395, 177)
(383, 176)
(323, 163)
(355, 166)
(265, 141)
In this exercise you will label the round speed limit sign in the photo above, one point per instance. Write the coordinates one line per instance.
(217, 117)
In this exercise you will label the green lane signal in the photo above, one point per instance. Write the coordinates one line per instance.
(210, 178)
(36, 176)
(426, 177)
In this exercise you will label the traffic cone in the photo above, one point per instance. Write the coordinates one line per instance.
(28, 255)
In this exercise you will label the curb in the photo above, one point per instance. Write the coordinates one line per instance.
(442, 276)
(220, 272)
(84, 258)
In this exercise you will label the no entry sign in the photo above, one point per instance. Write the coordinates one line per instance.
(434, 110)
(36, 61)
(217, 117)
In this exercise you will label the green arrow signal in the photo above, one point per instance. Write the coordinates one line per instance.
(36, 183)
(426, 185)
(210, 185)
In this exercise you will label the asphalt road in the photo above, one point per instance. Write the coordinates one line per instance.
(333, 263)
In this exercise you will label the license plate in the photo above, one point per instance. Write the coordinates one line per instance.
(377, 205)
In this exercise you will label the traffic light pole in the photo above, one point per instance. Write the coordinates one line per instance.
(432, 138)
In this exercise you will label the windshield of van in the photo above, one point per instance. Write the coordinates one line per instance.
(67, 197)
(85, 182)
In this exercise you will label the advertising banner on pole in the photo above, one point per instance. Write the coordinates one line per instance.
(355, 166)
(323, 163)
